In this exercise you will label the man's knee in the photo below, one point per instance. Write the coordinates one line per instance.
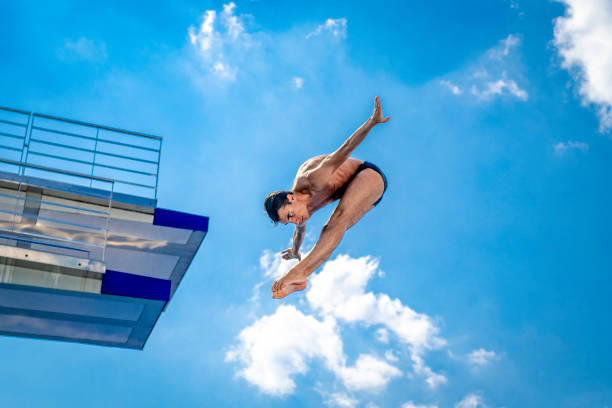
(336, 224)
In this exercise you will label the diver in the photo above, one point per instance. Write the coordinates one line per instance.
(321, 180)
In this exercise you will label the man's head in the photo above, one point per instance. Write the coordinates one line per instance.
(284, 207)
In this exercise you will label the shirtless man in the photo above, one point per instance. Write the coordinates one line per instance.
(319, 181)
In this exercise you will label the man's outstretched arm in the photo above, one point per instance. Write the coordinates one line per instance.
(334, 160)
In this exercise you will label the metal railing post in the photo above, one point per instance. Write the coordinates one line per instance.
(93, 163)
(26, 143)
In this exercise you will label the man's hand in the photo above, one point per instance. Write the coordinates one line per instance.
(377, 116)
(289, 254)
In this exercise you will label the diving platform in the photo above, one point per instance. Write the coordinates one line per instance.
(86, 255)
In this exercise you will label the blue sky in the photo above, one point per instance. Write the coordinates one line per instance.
(482, 278)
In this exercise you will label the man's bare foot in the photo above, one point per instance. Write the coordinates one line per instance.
(288, 284)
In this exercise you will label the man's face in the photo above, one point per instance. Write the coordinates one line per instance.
(294, 212)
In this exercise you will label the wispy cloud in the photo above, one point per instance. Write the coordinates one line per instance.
(505, 47)
(502, 86)
(220, 41)
(336, 27)
(514, 5)
(482, 357)
(471, 401)
(490, 76)
(582, 37)
(273, 265)
(83, 49)
(564, 147)
(451, 86)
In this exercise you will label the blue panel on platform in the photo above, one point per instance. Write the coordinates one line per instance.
(127, 284)
(176, 219)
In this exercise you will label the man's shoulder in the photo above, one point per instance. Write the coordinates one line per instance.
(311, 163)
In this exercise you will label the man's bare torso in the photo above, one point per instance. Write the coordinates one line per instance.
(322, 196)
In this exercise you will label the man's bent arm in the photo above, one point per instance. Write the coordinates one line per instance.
(298, 238)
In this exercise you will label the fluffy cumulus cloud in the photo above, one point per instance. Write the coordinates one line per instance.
(339, 291)
(277, 347)
(336, 27)
(482, 357)
(562, 148)
(219, 40)
(368, 372)
(492, 76)
(582, 37)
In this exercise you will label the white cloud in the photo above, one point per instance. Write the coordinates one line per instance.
(273, 265)
(368, 373)
(509, 43)
(451, 86)
(220, 42)
(500, 87)
(516, 7)
(471, 401)
(382, 335)
(84, 49)
(482, 357)
(504, 47)
(563, 147)
(339, 291)
(411, 404)
(341, 400)
(490, 76)
(225, 71)
(432, 379)
(336, 27)
(203, 39)
(278, 346)
(298, 82)
(582, 37)
(391, 357)
(234, 26)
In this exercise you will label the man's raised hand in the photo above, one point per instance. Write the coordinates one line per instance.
(289, 254)
(377, 115)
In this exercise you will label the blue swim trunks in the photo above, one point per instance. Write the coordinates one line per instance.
(365, 165)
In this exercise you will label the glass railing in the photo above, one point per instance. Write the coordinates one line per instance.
(56, 217)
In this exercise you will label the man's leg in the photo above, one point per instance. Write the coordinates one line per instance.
(359, 198)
